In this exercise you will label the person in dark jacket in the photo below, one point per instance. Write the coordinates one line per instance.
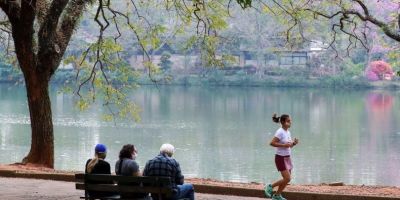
(165, 165)
(98, 165)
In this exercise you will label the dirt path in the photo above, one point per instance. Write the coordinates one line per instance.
(33, 189)
(361, 190)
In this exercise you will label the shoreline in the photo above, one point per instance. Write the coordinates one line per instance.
(290, 81)
(202, 185)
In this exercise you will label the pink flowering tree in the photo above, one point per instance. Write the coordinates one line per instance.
(379, 70)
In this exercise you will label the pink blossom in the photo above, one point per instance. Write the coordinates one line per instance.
(372, 76)
(379, 70)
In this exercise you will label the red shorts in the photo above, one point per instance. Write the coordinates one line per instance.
(283, 163)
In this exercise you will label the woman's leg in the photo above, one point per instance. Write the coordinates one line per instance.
(277, 183)
(283, 182)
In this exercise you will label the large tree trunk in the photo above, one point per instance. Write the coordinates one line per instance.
(39, 54)
(42, 145)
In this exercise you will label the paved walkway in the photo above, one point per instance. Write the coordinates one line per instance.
(33, 189)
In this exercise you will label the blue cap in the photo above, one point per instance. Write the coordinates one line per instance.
(100, 148)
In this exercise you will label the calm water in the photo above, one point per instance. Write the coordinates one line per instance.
(222, 133)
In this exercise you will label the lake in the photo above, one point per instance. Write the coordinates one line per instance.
(223, 133)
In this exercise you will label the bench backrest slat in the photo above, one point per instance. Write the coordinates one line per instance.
(122, 188)
(126, 184)
(161, 181)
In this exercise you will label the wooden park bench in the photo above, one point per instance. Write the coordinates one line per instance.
(159, 187)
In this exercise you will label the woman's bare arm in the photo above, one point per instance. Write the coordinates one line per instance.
(275, 143)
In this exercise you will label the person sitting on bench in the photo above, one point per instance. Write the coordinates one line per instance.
(98, 165)
(127, 166)
(165, 165)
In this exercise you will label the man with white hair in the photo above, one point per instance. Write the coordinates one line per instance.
(165, 165)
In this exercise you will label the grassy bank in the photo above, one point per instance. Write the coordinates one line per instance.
(218, 78)
(337, 81)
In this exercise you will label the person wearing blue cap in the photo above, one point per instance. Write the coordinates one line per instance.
(98, 165)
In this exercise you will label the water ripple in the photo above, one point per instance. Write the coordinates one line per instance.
(95, 123)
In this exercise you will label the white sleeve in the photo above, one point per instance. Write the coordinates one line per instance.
(279, 135)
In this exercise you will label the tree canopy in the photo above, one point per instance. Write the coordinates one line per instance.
(41, 31)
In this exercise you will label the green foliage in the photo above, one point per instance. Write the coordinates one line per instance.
(394, 60)
(165, 63)
(343, 81)
(152, 37)
(291, 72)
(244, 3)
(103, 76)
(63, 77)
(209, 55)
(152, 68)
(352, 69)
(215, 76)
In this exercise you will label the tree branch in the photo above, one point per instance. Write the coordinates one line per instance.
(363, 6)
(48, 28)
(23, 33)
(366, 17)
(27, 15)
(69, 21)
(12, 9)
(48, 45)
(42, 9)
(383, 26)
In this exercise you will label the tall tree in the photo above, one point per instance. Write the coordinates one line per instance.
(39, 52)
(41, 31)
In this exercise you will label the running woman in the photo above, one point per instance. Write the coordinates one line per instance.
(283, 142)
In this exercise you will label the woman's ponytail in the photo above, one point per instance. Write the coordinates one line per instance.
(94, 161)
(280, 119)
(91, 164)
(275, 118)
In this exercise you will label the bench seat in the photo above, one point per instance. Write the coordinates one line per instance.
(159, 187)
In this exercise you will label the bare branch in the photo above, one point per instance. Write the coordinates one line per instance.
(69, 20)
(51, 20)
(268, 7)
(48, 44)
(363, 6)
(366, 17)
(138, 14)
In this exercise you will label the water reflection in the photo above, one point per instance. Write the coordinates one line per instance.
(378, 142)
(222, 133)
